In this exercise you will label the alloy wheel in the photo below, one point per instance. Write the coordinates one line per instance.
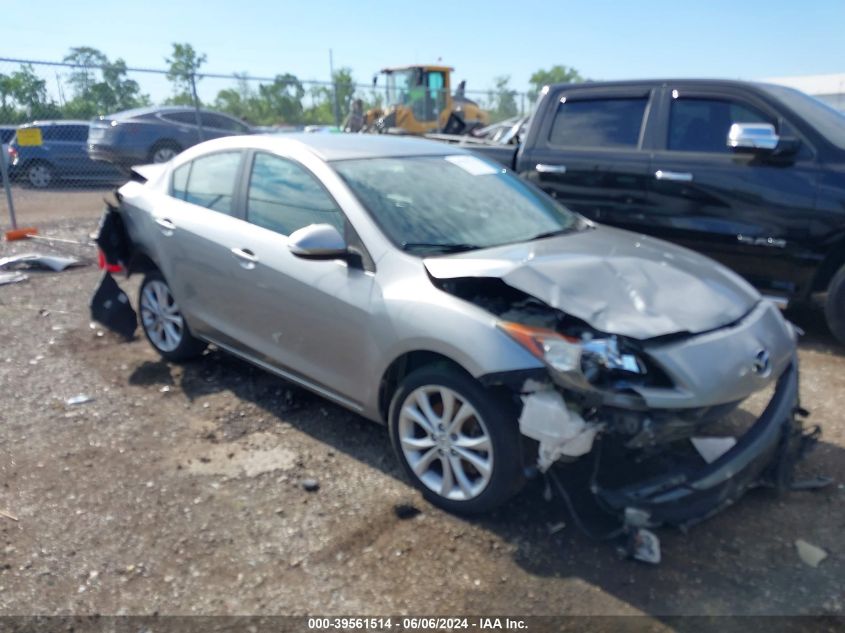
(160, 316)
(445, 442)
(39, 175)
(164, 154)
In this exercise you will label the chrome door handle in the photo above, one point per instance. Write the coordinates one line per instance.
(247, 257)
(167, 226)
(543, 168)
(675, 176)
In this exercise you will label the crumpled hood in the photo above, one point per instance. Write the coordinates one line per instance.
(618, 282)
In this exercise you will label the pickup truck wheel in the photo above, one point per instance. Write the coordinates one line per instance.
(163, 323)
(457, 442)
(835, 307)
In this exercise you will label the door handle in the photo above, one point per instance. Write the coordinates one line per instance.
(167, 226)
(543, 168)
(247, 257)
(674, 176)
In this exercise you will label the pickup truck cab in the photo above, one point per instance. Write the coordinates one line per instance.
(750, 174)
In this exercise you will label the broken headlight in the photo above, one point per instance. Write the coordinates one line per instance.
(586, 362)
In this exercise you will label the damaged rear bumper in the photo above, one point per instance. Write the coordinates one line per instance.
(765, 455)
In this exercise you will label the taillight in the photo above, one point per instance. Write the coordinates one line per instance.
(104, 265)
(13, 155)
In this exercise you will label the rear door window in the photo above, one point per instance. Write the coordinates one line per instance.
(284, 196)
(600, 122)
(179, 188)
(220, 122)
(702, 125)
(211, 181)
(182, 118)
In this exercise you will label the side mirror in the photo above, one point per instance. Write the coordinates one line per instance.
(754, 137)
(318, 241)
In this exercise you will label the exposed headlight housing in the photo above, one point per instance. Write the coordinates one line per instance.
(584, 362)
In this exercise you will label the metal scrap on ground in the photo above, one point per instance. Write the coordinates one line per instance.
(12, 278)
(36, 260)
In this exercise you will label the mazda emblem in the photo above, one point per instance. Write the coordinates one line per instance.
(762, 364)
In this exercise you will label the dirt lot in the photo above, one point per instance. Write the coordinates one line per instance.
(178, 490)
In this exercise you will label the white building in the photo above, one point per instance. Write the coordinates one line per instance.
(827, 88)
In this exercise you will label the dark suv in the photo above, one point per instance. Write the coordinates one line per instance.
(751, 174)
(155, 135)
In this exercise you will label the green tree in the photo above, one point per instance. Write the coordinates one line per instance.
(184, 63)
(502, 99)
(30, 93)
(280, 101)
(555, 75)
(6, 97)
(322, 109)
(237, 101)
(100, 86)
(86, 62)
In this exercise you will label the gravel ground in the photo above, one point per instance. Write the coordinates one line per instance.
(179, 490)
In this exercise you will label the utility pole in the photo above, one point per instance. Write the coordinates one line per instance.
(334, 90)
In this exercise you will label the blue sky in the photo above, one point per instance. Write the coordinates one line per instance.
(602, 39)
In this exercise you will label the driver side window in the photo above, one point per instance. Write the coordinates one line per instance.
(283, 197)
(702, 125)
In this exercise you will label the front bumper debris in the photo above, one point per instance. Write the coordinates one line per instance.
(765, 455)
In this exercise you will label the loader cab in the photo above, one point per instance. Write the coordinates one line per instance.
(419, 95)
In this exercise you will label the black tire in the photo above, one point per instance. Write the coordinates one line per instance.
(162, 149)
(499, 420)
(188, 346)
(40, 174)
(835, 306)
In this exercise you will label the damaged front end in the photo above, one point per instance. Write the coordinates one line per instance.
(645, 411)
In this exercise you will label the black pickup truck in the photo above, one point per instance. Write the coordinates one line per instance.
(751, 174)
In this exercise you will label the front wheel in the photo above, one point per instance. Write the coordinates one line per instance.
(458, 442)
(835, 307)
(163, 323)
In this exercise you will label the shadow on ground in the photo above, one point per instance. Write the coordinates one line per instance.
(742, 561)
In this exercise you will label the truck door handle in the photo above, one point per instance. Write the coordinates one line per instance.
(247, 257)
(543, 168)
(675, 176)
(166, 225)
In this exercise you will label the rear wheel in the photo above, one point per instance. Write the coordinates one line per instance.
(835, 307)
(458, 442)
(163, 323)
(39, 174)
(164, 151)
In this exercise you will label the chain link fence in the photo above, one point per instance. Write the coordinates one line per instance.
(59, 138)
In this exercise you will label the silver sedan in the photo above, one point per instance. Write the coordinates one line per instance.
(496, 333)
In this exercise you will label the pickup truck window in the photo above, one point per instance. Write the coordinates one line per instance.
(598, 122)
(702, 125)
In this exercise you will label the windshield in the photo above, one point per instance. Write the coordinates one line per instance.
(399, 83)
(829, 122)
(436, 204)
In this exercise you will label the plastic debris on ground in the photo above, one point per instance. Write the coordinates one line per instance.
(810, 554)
(645, 546)
(111, 306)
(80, 399)
(712, 448)
(12, 278)
(36, 260)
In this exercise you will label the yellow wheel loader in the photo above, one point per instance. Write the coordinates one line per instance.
(419, 100)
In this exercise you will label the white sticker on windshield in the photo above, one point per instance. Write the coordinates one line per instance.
(472, 165)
